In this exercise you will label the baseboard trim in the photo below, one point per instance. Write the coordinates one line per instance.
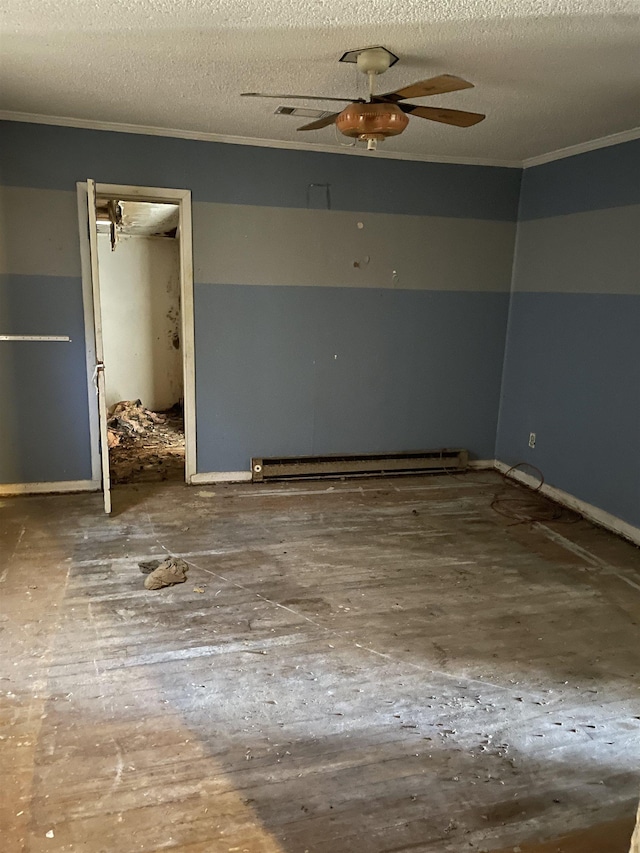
(482, 464)
(590, 512)
(220, 477)
(50, 488)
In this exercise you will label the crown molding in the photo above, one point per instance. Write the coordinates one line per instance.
(583, 147)
(202, 136)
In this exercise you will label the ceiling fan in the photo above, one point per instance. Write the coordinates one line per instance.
(385, 115)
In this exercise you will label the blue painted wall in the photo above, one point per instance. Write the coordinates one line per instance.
(338, 370)
(44, 419)
(572, 363)
(419, 362)
(418, 365)
(56, 157)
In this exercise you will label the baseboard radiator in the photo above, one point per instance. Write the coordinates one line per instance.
(358, 465)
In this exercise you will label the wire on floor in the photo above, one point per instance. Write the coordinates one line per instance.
(513, 503)
(534, 507)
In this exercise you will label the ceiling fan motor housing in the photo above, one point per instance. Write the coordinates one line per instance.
(371, 121)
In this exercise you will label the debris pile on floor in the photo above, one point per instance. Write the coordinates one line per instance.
(145, 446)
(161, 573)
(129, 417)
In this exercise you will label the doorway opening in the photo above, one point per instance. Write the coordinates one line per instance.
(137, 273)
(139, 262)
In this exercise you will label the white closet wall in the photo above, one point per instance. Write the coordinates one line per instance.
(140, 293)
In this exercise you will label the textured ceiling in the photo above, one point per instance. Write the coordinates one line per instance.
(548, 73)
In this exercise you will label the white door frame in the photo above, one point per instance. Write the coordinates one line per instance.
(98, 374)
(182, 198)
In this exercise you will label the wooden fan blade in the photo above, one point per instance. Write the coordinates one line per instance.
(460, 118)
(294, 97)
(321, 122)
(433, 86)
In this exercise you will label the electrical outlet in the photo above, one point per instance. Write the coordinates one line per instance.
(532, 439)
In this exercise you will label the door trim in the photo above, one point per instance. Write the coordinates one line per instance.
(89, 331)
(182, 198)
(98, 372)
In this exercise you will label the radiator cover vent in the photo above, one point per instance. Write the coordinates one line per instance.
(358, 465)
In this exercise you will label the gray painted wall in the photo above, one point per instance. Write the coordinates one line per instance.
(572, 364)
(248, 244)
(300, 351)
(595, 251)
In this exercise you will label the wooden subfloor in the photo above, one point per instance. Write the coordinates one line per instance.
(379, 666)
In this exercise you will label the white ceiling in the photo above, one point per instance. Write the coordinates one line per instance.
(548, 73)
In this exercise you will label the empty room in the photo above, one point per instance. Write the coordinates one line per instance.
(320, 427)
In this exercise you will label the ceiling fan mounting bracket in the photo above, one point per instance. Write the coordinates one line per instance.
(371, 60)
